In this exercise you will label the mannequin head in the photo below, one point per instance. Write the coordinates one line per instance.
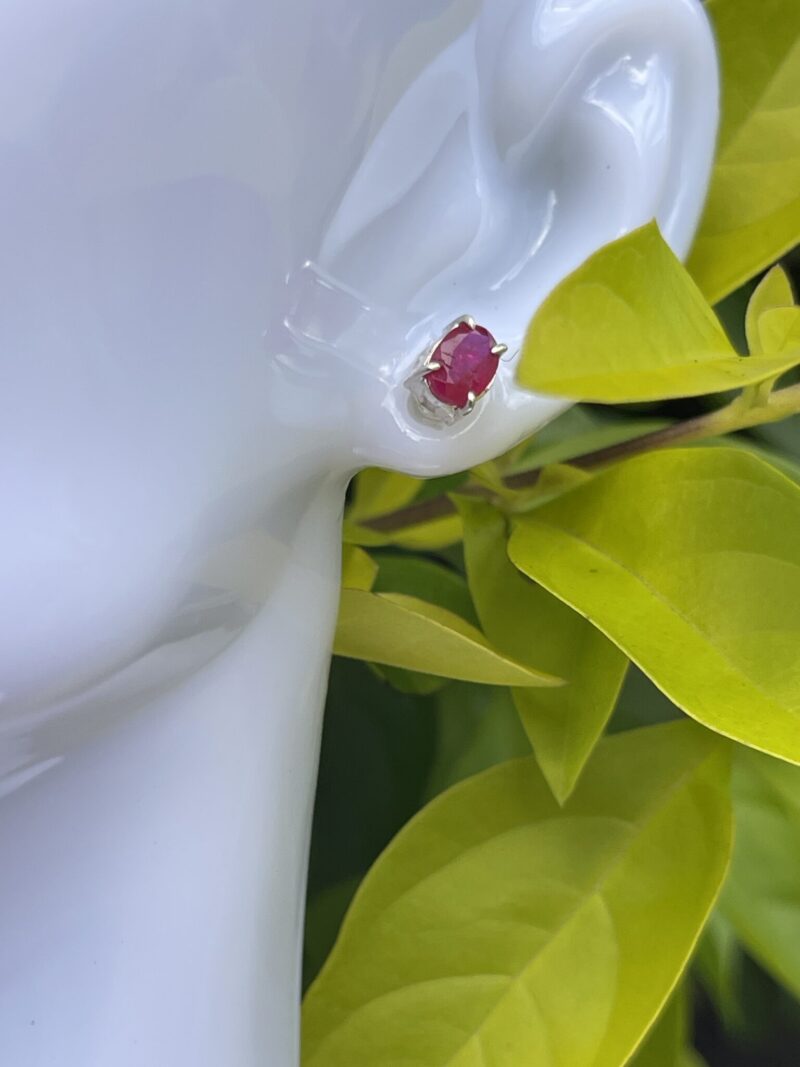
(229, 229)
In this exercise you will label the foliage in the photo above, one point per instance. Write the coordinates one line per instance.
(652, 552)
(753, 210)
(762, 895)
(403, 631)
(563, 724)
(536, 637)
(501, 913)
(633, 287)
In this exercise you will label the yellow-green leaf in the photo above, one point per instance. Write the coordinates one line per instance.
(324, 914)
(402, 631)
(433, 583)
(718, 965)
(773, 291)
(477, 726)
(631, 325)
(779, 331)
(377, 492)
(532, 626)
(762, 895)
(753, 211)
(435, 533)
(499, 928)
(692, 1058)
(578, 431)
(428, 580)
(359, 569)
(689, 560)
(665, 1045)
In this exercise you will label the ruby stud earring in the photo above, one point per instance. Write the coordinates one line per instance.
(455, 371)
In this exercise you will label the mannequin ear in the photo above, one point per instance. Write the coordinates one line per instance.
(550, 128)
(603, 111)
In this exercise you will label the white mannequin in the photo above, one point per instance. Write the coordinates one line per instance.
(183, 397)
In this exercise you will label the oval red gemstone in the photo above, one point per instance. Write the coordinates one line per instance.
(468, 365)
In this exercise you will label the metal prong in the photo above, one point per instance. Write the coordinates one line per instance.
(499, 350)
(467, 319)
(418, 375)
(433, 365)
(471, 398)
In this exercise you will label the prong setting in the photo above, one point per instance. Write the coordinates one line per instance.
(468, 356)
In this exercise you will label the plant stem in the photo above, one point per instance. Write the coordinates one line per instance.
(745, 411)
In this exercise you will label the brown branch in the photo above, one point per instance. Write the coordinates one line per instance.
(735, 416)
(688, 430)
(437, 507)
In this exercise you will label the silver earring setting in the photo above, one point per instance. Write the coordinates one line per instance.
(455, 372)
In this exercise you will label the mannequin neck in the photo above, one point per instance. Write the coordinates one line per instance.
(153, 912)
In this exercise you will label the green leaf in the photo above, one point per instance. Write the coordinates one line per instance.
(753, 211)
(427, 580)
(641, 704)
(378, 746)
(631, 325)
(323, 918)
(447, 483)
(378, 492)
(523, 620)
(689, 560)
(692, 1058)
(773, 291)
(490, 474)
(762, 895)
(433, 583)
(779, 330)
(665, 1045)
(578, 431)
(412, 682)
(718, 965)
(432, 534)
(731, 313)
(402, 631)
(499, 928)
(477, 727)
(555, 480)
(767, 455)
(359, 569)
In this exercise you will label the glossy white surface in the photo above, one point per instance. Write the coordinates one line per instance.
(228, 229)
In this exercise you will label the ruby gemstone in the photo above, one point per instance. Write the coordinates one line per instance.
(468, 365)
